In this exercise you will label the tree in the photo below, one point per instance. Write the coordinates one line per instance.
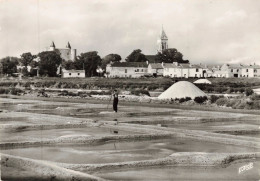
(169, 56)
(136, 56)
(9, 65)
(109, 58)
(89, 61)
(26, 59)
(68, 65)
(49, 63)
(1, 68)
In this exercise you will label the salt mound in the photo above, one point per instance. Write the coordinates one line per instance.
(182, 89)
(202, 81)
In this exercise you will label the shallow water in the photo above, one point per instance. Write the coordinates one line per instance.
(187, 173)
(122, 151)
(18, 134)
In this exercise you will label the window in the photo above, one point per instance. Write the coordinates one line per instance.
(197, 70)
(69, 73)
(137, 70)
(142, 70)
(78, 73)
(246, 70)
(255, 70)
(231, 70)
(237, 70)
(195, 75)
(125, 70)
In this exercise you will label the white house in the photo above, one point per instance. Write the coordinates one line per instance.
(155, 69)
(250, 71)
(231, 70)
(182, 70)
(73, 73)
(127, 69)
(172, 70)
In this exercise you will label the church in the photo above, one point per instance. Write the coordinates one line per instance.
(65, 53)
(162, 44)
(162, 41)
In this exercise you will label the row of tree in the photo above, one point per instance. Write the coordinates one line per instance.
(167, 56)
(48, 62)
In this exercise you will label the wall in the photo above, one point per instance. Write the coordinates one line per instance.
(250, 72)
(131, 71)
(73, 74)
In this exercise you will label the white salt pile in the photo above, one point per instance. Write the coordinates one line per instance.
(182, 89)
(202, 81)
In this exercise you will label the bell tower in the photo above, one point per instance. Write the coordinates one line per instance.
(162, 41)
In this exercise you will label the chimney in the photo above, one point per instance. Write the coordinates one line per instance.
(147, 62)
(162, 64)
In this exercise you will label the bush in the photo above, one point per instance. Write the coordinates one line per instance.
(233, 103)
(15, 91)
(100, 93)
(249, 91)
(214, 98)
(4, 91)
(200, 99)
(255, 97)
(222, 101)
(184, 99)
(138, 92)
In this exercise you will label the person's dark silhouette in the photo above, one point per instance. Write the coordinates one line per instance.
(115, 100)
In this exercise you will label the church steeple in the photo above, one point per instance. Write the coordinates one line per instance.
(52, 44)
(68, 45)
(162, 41)
(163, 35)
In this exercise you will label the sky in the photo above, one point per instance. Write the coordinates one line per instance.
(204, 31)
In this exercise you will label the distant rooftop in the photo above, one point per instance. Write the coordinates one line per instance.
(130, 64)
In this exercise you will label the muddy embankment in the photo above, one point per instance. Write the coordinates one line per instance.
(176, 159)
(46, 170)
(62, 171)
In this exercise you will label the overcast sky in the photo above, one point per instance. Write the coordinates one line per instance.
(204, 31)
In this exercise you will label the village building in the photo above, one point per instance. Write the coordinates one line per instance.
(73, 73)
(155, 69)
(250, 71)
(230, 70)
(127, 69)
(185, 70)
(65, 53)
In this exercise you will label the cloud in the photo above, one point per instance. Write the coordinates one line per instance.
(230, 18)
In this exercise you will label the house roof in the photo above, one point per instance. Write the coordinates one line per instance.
(185, 65)
(251, 66)
(130, 64)
(170, 65)
(73, 71)
(234, 66)
(197, 66)
(156, 65)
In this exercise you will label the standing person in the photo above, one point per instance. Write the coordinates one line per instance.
(115, 100)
